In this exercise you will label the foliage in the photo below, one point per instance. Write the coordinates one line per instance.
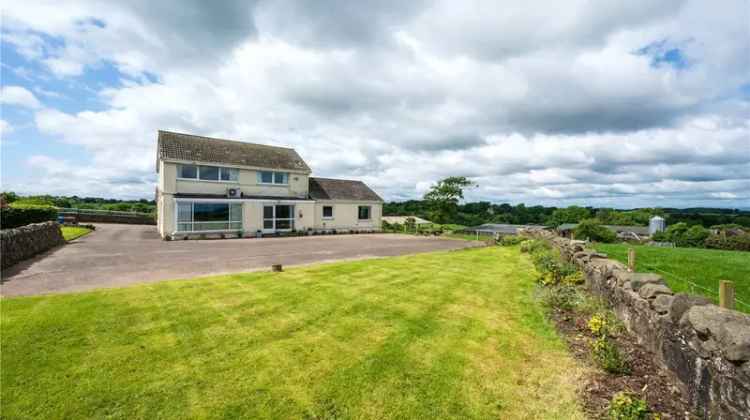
(477, 213)
(74, 232)
(443, 198)
(572, 214)
(251, 345)
(142, 205)
(608, 357)
(562, 296)
(638, 217)
(704, 267)
(593, 230)
(511, 240)
(626, 406)
(11, 217)
(532, 246)
(574, 278)
(735, 242)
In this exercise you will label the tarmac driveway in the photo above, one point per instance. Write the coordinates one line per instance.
(117, 255)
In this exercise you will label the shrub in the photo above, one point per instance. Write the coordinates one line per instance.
(511, 240)
(598, 325)
(574, 278)
(626, 406)
(11, 217)
(732, 243)
(593, 230)
(693, 237)
(562, 297)
(608, 357)
(533, 246)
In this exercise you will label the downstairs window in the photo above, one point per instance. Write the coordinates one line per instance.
(206, 217)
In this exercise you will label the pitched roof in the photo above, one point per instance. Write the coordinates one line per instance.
(187, 147)
(341, 189)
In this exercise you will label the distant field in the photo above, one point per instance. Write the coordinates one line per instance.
(704, 267)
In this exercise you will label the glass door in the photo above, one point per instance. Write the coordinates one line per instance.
(278, 218)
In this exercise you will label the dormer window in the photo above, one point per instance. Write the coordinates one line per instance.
(273, 178)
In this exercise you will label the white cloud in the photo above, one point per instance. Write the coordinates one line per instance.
(19, 96)
(534, 107)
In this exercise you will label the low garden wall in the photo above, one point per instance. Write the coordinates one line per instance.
(115, 218)
(24, 242)
(705, 346)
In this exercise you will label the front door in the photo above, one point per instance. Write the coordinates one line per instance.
(278, 218)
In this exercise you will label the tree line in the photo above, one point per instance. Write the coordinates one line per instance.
(441, 204)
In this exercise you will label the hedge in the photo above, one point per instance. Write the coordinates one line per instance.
(735, 243)
(11, 217)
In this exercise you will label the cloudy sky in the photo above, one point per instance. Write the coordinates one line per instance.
(635, 103)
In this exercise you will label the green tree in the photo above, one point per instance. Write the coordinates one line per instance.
(572, 214)
(443, 198)
(593, 230)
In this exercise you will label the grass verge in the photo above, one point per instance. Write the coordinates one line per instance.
(74, 232)
(439, 335)
(678, 266)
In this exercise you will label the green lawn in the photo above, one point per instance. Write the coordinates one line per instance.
(704, 267)
(73, 232)
(440, 335)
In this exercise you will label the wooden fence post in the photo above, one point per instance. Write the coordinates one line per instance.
(726, 294)
(631, 260)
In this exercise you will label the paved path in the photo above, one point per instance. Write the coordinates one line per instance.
(118, 255)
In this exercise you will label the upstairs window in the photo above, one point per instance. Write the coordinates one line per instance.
(187, 171)
(208, 173)
(270, 177)
(363, 213)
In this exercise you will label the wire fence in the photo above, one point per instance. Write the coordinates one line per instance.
(694, 287)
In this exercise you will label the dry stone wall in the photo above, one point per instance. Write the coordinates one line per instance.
(24, 242)
(705, 346)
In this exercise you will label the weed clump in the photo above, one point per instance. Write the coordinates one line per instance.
(608, 357)
(626, 406)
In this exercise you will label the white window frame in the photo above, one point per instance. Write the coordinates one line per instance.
(274, 219)
(369, 213)
(273, 182)
(323, 213)
(193, 223)
(198, 174)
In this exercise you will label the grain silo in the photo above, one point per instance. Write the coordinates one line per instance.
(656, 224)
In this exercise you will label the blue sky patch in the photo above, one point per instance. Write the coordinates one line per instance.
(664, 53)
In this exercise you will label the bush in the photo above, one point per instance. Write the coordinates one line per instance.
(608, 357)
(533, 246)
(11, 217)
(511, 240)
(593, 230)
(574, 278)
(562, 297)
(732, 243)
(628, 407)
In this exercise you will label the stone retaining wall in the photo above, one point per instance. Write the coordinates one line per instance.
(24, 242)
(115, 218)
(705, 346)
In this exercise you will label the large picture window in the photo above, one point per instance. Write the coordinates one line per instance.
(204, 217)
(208, 173)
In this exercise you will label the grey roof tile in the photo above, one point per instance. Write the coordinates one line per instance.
(188, 147)
(341, 189)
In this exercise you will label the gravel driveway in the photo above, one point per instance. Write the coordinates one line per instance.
(118, 255)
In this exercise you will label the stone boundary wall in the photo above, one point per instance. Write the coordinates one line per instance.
(706, 347)
(24, 242)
